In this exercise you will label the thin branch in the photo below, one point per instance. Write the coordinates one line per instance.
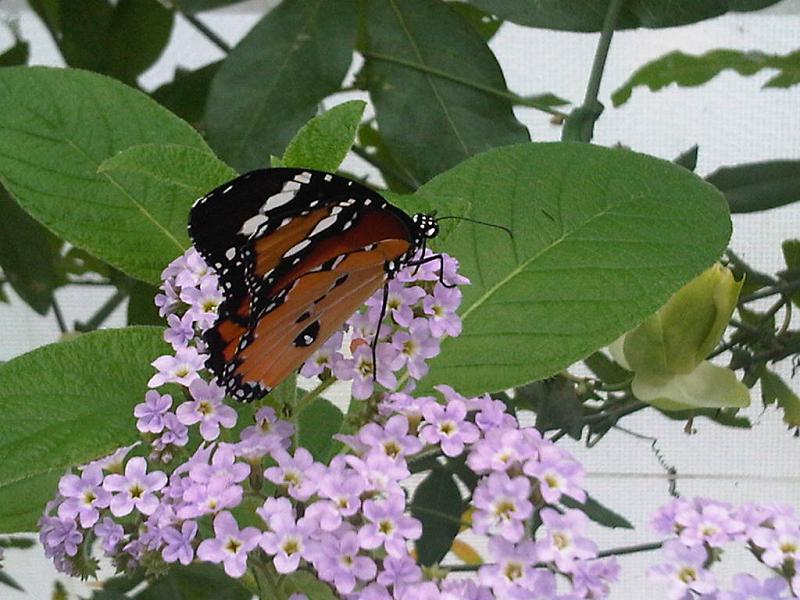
(62, 325)
(103, 312)
(205, 30)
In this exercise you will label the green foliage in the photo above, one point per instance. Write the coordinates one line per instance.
(66, 404)
(602, 238)
(316, 426)
(434, 108)
(273, 80)
(485, 23)
(758, 186)
(198, 581)
(28, 255)
(437, 504)
(186, 94)
(598, 513)
(775, 391)
(303, 582)
(66, 123)
(587, 15)
(325, 140)
(141, 306)
(121, 39)
(688, 71)
(16, 55)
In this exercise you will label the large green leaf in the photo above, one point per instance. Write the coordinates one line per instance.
(689, 71)
(28, 255)
(273, 80)
(587, 15)
(325, 140)
(66, 404)
(602, 238)
(316, 426)
(758, 186)
(120, 39)
(437, 504)
(439, 94)
(56, 127)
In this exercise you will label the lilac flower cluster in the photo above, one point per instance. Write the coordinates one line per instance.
(156, 503)
(702, 528)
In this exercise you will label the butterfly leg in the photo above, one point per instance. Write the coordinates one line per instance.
(433, 257)
(374, 344)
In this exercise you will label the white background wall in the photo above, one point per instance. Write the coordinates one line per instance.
(732, 119)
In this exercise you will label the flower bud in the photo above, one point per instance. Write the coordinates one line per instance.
(686, 329)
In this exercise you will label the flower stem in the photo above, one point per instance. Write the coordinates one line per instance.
(579, 126)
(312, 395)
(204, 29)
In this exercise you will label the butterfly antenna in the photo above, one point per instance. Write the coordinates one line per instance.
(495, 225)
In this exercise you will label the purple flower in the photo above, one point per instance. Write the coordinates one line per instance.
(340, 562)
(664, 520)
(83, 496)
(445, 425)
(110, 534)
(392, 439)
(168, 301)
(180, 331)
(59, 537)
(300, 475)
(207, 409)
(502, 503)
(781, 543)
(684, 572)
(558, 473)
(175, 433)
(399, 571)
(287, 540)
(230, 545)
(711, 524)
(179, 543)
(181, 368)
(414, 347)
(134, 489)
(399, 302)
(151, 412)
(503, 448)
(492, 414)
(343, 491)
(114, 462)
(564, 544)
(188, 270)
(361, 367)
(442, 307)
(512, 575)
(324, 357)
(591, 578)
(387, 525)
(203, 301)
(747, 587)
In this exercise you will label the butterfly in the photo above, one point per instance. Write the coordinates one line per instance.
(297, 252)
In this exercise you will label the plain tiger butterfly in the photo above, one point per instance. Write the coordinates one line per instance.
(297, 252)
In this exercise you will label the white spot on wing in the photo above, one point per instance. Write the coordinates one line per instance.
(323, 225)
(252, 224)
(297, 248)
(230, 253)
(328, 177)
(304, 177)
(227, 189)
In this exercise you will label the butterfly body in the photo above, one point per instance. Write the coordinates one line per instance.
(297, 252)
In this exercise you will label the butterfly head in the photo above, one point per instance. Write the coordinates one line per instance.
(427, 225)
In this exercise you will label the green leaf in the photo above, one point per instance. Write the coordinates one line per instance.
(198, 581)
(437, 504)
(606, 369)
(434, 108)
(555, 403)
(16, 55)
(273, 80)
(775, 390)
(325, 140)
(687, 70)
(186, 94)
(598, 513)
(194, 6)
(587, 15)
(66, 404)
(28, 255)
(56, 127)
(141, 306)
(602, 238)
(372, 145)
(303, 582)
(485, 23)
(120, 39)
(688, 159)
(316, 426)
(758, 186)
